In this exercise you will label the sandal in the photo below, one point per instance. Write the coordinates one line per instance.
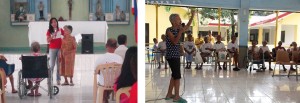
(180, 100)
(168, 98)
(31, 94)
(65, 83)
(38, 94)
(14, 91)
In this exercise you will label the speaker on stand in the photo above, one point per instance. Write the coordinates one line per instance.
(87, 44)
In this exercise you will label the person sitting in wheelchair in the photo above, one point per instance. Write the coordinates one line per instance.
(35, 51)
(267, 54)
(205, 50)
(255, 53)
(219, 47)
(290, 50)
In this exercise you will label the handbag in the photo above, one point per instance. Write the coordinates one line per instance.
(222, 55)
(198, 58)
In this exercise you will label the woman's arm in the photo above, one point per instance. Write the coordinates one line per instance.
(190, 21)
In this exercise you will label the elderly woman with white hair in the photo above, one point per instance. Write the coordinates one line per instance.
(173, 34)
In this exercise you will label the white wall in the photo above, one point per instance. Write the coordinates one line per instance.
(289, 33)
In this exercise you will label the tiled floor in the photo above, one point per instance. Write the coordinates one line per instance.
(209, 86)
(80, 93)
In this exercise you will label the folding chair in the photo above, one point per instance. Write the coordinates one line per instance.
(295, 58)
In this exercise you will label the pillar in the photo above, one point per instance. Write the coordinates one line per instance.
(260, 35)
(243, 22)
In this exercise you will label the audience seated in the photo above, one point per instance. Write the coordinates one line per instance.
(108, 57)
(189, 48)
(11, 78)
(267, 54)
(205, 50)
(128, 75)
(290, 50)
(35, 51)
(218, 47)
(232, 48)
(162, 48)
(278, 48)
(122, 41)
(255, 53)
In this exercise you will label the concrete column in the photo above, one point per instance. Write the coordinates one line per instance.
(243, 22)
(278, 33)
(296, 37)
(260, 35)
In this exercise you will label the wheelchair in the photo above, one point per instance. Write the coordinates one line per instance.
(35, 67)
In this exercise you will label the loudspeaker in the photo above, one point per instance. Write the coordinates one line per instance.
(87, 44)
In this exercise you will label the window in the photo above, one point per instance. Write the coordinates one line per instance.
(266, 37)
(282, 38)
(254, 34)
(147, 34)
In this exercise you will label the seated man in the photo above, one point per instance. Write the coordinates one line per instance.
(162, 48)
(232, 48)
(255, 53)
(11, 78)
(293, 48)
(218, 47)
(205, 50)
(267, 54)
(108, 57)
(189, 48)
(156, 54)
(280, 48)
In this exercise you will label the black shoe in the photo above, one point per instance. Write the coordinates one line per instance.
(220, 68)
(292, 69)
(158, 67)
(270, 69)
(236, 69)
(263, 68)
(259, 70)
(284, 69)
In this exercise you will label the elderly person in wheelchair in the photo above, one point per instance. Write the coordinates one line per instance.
(256, 56)
(218, 48)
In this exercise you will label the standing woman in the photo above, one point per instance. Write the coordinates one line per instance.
(67, 55)
(54, 37)
(174, 33)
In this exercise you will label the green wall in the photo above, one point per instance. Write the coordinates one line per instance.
(16, 37)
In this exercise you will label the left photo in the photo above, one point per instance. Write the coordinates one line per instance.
(70, 51)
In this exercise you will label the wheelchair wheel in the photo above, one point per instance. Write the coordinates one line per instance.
(21, 85)
(55, 90)
(50, 84)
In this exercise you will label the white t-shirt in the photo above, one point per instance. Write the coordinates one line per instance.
(104, 59)
(204, 46)
(155, 47)
(256, 49)
(189, 45)
(121, 50)
(264, 48)
(231, 45)
(162, 45)
(219, 46)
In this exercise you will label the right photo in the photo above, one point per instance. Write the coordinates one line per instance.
(238, 51)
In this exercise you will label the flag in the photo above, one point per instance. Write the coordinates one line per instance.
(135, 13)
